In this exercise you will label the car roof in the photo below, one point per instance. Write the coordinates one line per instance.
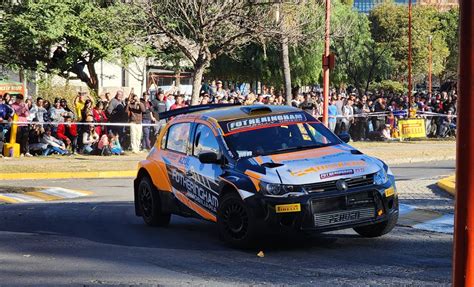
(240, 112)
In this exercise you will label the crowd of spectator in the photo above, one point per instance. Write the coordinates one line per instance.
(56, 128)
(373, 116)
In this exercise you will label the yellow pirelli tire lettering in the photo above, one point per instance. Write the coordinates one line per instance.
(389, 192)
(284, 208)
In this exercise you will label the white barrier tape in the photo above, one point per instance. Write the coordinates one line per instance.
(83, 124)
(431, 114)
(364, 115)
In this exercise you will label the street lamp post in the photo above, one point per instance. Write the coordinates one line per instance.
(430, 68)
(463, 258)
(326, 64)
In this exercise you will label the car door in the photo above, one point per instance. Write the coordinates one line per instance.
(175, 155)
(205, 176)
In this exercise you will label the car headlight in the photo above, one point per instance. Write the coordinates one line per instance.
(380, 177)
(279, 189)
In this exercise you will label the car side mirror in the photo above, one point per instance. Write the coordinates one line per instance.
(345, 137)
(209, 157)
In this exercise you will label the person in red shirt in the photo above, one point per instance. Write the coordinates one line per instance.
(179, 103)
(67, 132)
(99, 116)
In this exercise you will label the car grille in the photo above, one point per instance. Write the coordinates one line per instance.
(344, 216)
(353, 182)
(363, 199)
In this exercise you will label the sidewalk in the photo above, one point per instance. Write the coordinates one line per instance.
(79, 166)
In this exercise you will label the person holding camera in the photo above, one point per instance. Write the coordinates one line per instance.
(135, 109)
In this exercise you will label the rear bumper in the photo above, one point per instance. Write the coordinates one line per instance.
(325, 204)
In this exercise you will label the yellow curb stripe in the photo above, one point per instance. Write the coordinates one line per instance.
(8, 199)
(448, 184)
(43, 196)
(68, 175)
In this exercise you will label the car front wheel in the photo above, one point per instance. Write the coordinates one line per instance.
(236, 222)
(150, 204)
(378, 229)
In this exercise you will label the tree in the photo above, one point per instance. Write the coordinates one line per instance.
(295, 24)
(204, 30)
(448, 27)
(390, 30)
(263, 60)
(80, 33)
(359, 59)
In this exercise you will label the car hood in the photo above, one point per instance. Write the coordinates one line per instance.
(315, 165)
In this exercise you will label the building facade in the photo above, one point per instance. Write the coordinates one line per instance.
(365, 6)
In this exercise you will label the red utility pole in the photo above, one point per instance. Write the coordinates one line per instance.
(326, 64)
(463, 258)
(409, 58)
(430, 47)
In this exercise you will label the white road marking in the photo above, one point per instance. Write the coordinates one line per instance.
(21, 197)
(62, 192)
(443, 224)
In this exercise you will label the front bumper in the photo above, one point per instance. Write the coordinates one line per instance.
(368, 199)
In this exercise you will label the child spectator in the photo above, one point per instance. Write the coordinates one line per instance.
(67, 132)
(104, 145)
(115, 146)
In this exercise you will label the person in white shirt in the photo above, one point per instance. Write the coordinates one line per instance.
(53, 144)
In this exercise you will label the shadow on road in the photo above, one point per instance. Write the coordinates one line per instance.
(110, 232)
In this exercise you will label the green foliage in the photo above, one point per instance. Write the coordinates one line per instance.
(448, 28)
(390, 30)
(49, 90)
(391, 86)
(87, 31)
(359, 60)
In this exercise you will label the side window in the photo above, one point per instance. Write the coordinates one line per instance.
(163, 140)
(178, 136)
(204, 140)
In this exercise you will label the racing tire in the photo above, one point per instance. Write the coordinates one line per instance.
(236, 222)
(378, 229)
(150, 204)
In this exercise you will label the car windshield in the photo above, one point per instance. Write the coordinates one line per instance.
(280, 139)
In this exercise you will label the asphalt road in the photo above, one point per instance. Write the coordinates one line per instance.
(97, 240)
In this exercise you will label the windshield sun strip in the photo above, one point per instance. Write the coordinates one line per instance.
(269, 126)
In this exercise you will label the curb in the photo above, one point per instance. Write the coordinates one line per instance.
(68, 175)
(417, 159)
(448, 184)
(133, 173)
(42, 195)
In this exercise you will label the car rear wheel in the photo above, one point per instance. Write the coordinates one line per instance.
(150, 204)
(378, 229)
(236, 222)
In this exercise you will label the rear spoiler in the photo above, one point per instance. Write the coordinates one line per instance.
(192, 109)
